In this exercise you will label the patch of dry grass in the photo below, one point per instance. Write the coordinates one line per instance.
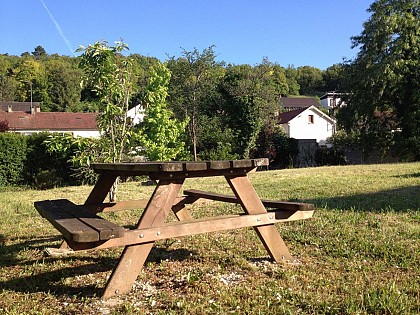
(360, 253)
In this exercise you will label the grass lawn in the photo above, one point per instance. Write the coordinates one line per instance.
(360, 254)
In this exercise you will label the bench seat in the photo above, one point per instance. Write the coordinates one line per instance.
(76, 223)
(275, 204)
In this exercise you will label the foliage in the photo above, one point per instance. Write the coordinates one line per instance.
(63, 85)
(160, 135)
(274, 144)
(249, 101)
(329, 156)
(193, 88)
(45, 169)
(215, 142)
(384, 80)
(309, 80)
(109, 75)
(78, 152)
(12, 158)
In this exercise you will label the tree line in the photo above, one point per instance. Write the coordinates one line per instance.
(227, 107)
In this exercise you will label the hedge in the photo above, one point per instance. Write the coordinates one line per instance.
(12, 158)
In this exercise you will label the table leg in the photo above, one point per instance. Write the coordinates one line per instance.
(101, 189)
(134, 256)
(252, 204)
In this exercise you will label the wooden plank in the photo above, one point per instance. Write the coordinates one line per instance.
(76, 224)
(71, 228)
(121, 205)
(133, 257)
(277, 204)
(199, 226)
(251, 203)
(146, 168)
(101, 189)
(105, 228)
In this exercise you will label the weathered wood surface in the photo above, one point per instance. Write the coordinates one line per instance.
(276, 204)
(77, 224)
(159, 170)
(198, 226)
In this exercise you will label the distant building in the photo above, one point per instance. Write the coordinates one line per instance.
(77, 124)
(332, 100)
(308, 123)
(26, 107)
(292, 103)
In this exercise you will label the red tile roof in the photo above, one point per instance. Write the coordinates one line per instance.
(50, 121)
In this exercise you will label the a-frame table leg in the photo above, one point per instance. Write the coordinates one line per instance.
(251, 203)
(133, 257)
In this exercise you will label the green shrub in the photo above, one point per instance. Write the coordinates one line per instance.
(274, 144)
(329, 156)
(12, 158)
(40, 161)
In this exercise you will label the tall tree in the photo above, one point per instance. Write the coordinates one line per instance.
(63, 84)
(161, 135)
(310, 80)
(109, 75)
(384, 79)
(292, 80)
(250, 100)
(39, 51)
(193, 83)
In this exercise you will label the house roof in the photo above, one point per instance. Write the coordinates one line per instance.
(19, 106)
(285, 117)
(299, 102)
(50, 121)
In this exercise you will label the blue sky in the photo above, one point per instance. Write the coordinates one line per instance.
(288, 32)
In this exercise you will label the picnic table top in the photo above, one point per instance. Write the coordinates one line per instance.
(181, 166)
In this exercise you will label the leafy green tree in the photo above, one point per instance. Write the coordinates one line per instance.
(193, 88)
(310, 80)
(161, 135)
(332, 78)
(250, 100)
(63, 88)
(292, 80)
(30, 74)
(39, 51)
(215, 141)
(8, 84)
(384, 80)
(110, 76)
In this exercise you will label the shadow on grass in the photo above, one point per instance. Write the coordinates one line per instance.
(399, 199)
(51, 281)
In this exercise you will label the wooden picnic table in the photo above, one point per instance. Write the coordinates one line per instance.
(83, 229)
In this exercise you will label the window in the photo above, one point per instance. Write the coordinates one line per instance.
(310, 119)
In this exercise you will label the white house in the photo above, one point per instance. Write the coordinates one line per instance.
(332, 99)
(307, 123)
(136, 113)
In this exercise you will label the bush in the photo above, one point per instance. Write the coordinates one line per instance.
(329, 156)
(40, 162)
(12, 158)
(273, 143)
